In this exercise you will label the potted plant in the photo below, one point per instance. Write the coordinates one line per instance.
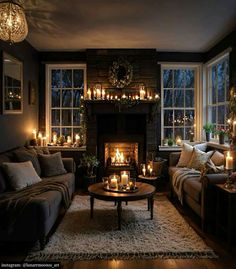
(222, 132)
(208, 128)
(170, 142)
(89, 162)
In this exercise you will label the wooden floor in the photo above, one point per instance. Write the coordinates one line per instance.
(226, 260)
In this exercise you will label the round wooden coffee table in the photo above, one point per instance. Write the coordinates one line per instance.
(145, 191)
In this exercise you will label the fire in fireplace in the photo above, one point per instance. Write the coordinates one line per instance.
(121, 154)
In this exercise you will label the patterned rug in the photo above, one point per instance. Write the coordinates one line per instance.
(80, 238)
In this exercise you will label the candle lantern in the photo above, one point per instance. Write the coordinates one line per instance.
(229, 165)
(114, 180)
(124, 176)
(40, 136)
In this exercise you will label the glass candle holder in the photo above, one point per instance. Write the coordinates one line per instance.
(114, 180)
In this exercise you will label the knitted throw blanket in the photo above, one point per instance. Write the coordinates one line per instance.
(12, 204)
(180, 176)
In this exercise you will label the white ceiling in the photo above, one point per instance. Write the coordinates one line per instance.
(167, 25)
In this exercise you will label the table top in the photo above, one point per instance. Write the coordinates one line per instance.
(148, 177)
(144, 191)
(231, 191)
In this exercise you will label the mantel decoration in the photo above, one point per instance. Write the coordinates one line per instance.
(120, 73)
(13, 23)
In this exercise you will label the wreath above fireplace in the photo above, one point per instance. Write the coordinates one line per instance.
(120, 73)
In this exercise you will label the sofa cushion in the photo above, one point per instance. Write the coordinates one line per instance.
(185, 155)
(218, 158)
(199, 159)
(24, 154)
(21, 175)
(192, 187)
(51, 165)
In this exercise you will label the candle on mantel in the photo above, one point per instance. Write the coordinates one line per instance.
(124, 178)
(113, 183)
(54, 139)
(229, 161)
(40, 139)
(136, 97)
(234, 128)
(142, 94)
(99, 94)
(77, 140)
(94, 94)
(144, 171)
(89, 94)
(123, 96)
(150, 97)
(178, 141)
(44, 141)
(69, 141)
(34, 134)
(103, 94)
(116, 97)
(157, 96)
(111, 97)
(108, 96)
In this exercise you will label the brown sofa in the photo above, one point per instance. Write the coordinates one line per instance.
(41, 213)
(199, 195)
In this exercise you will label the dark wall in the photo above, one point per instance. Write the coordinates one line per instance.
(228, 42)
(15, 130)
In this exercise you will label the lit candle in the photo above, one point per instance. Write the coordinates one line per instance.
(136, 97)
(234, 128)
(157, 96)
(68, 141)
(144, 171)
(54, 139)
(34, 134)
(108, 97)
(124, 178)
(142, 94)
(99, 94)
(150, 97)
(123, 96)
(178, 141)
(77, 140)
(89, 94)
(116, 97)
(150, 171)
(113, 183)
(229, 161)
(40, 139)
(94, 94)
(111, 97)
(103, 94)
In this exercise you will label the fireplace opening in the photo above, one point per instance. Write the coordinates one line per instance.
(121, 154)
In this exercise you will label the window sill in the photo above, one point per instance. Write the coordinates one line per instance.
(64, 148)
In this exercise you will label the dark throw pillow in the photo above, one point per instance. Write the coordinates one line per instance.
(24, 155)
(51, 165)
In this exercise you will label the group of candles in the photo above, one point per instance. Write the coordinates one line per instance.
(101, 95)
(68, 140)
(41, 140)
(124, 179)
(147, 171)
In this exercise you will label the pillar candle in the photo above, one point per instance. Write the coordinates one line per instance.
(144, 171)
(142, 94)
(113, 183)
(229, 161)
(103, 94)
(68, 140)
(89, 94)
(40, 139)
(77, 140)
(124, 178)
(54, 139)
(34, 133)
(99, 94)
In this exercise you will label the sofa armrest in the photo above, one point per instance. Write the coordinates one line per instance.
(174, 158)
(214, 179)
(69, 164)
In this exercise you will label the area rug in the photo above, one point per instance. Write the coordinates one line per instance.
(80, 238)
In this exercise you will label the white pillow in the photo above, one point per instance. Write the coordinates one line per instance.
(186, 154)
(199, 159)
(202, 146)
(21, 174)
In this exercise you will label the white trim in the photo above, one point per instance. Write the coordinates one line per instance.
(48, 69)
(218, 57)
(198, 96)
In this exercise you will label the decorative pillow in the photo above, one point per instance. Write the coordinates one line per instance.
(202, 146)
(211, 168)
(51, 165)
(24, 155)
(21, 174)
(186, 154)
(199, 159)
(218, 158)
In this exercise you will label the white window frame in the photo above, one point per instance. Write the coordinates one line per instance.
(49, 68)
(198, 96)
(207, 73)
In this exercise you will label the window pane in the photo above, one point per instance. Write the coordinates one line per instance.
(227, 79)
(179, 118)
(189, 98)
(168, 98)
(66, 117)
(221, 82)
(56, 131)
(76, 98)
(168, 117)
(179, 78)
(213, 81)
(66, 132)
(213, 114)
(55, 117)
(221, 114)
(66, 78)
(66, 98)
(55, 98)
(179, 98)
(187, 133)
(78, 78)
(189, 78)
(56, 78)
(189, 117)
(179, 132)
(76, 118)
(168, 132)
(168, 78)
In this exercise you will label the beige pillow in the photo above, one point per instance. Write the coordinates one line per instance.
(218, 158)
(199, 159)
(211, 168)
(186, 154)
(21, 174)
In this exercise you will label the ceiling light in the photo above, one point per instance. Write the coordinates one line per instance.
(13, 24)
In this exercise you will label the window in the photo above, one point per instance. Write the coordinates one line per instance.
(65, 86)
(179, 95)
(218, 91)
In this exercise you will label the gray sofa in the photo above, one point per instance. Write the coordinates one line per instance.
(41, 212)
(199, 195)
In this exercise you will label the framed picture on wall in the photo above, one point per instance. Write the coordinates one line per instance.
(32, 93)
(12, 89)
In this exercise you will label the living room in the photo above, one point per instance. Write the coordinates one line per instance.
(118, 130)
